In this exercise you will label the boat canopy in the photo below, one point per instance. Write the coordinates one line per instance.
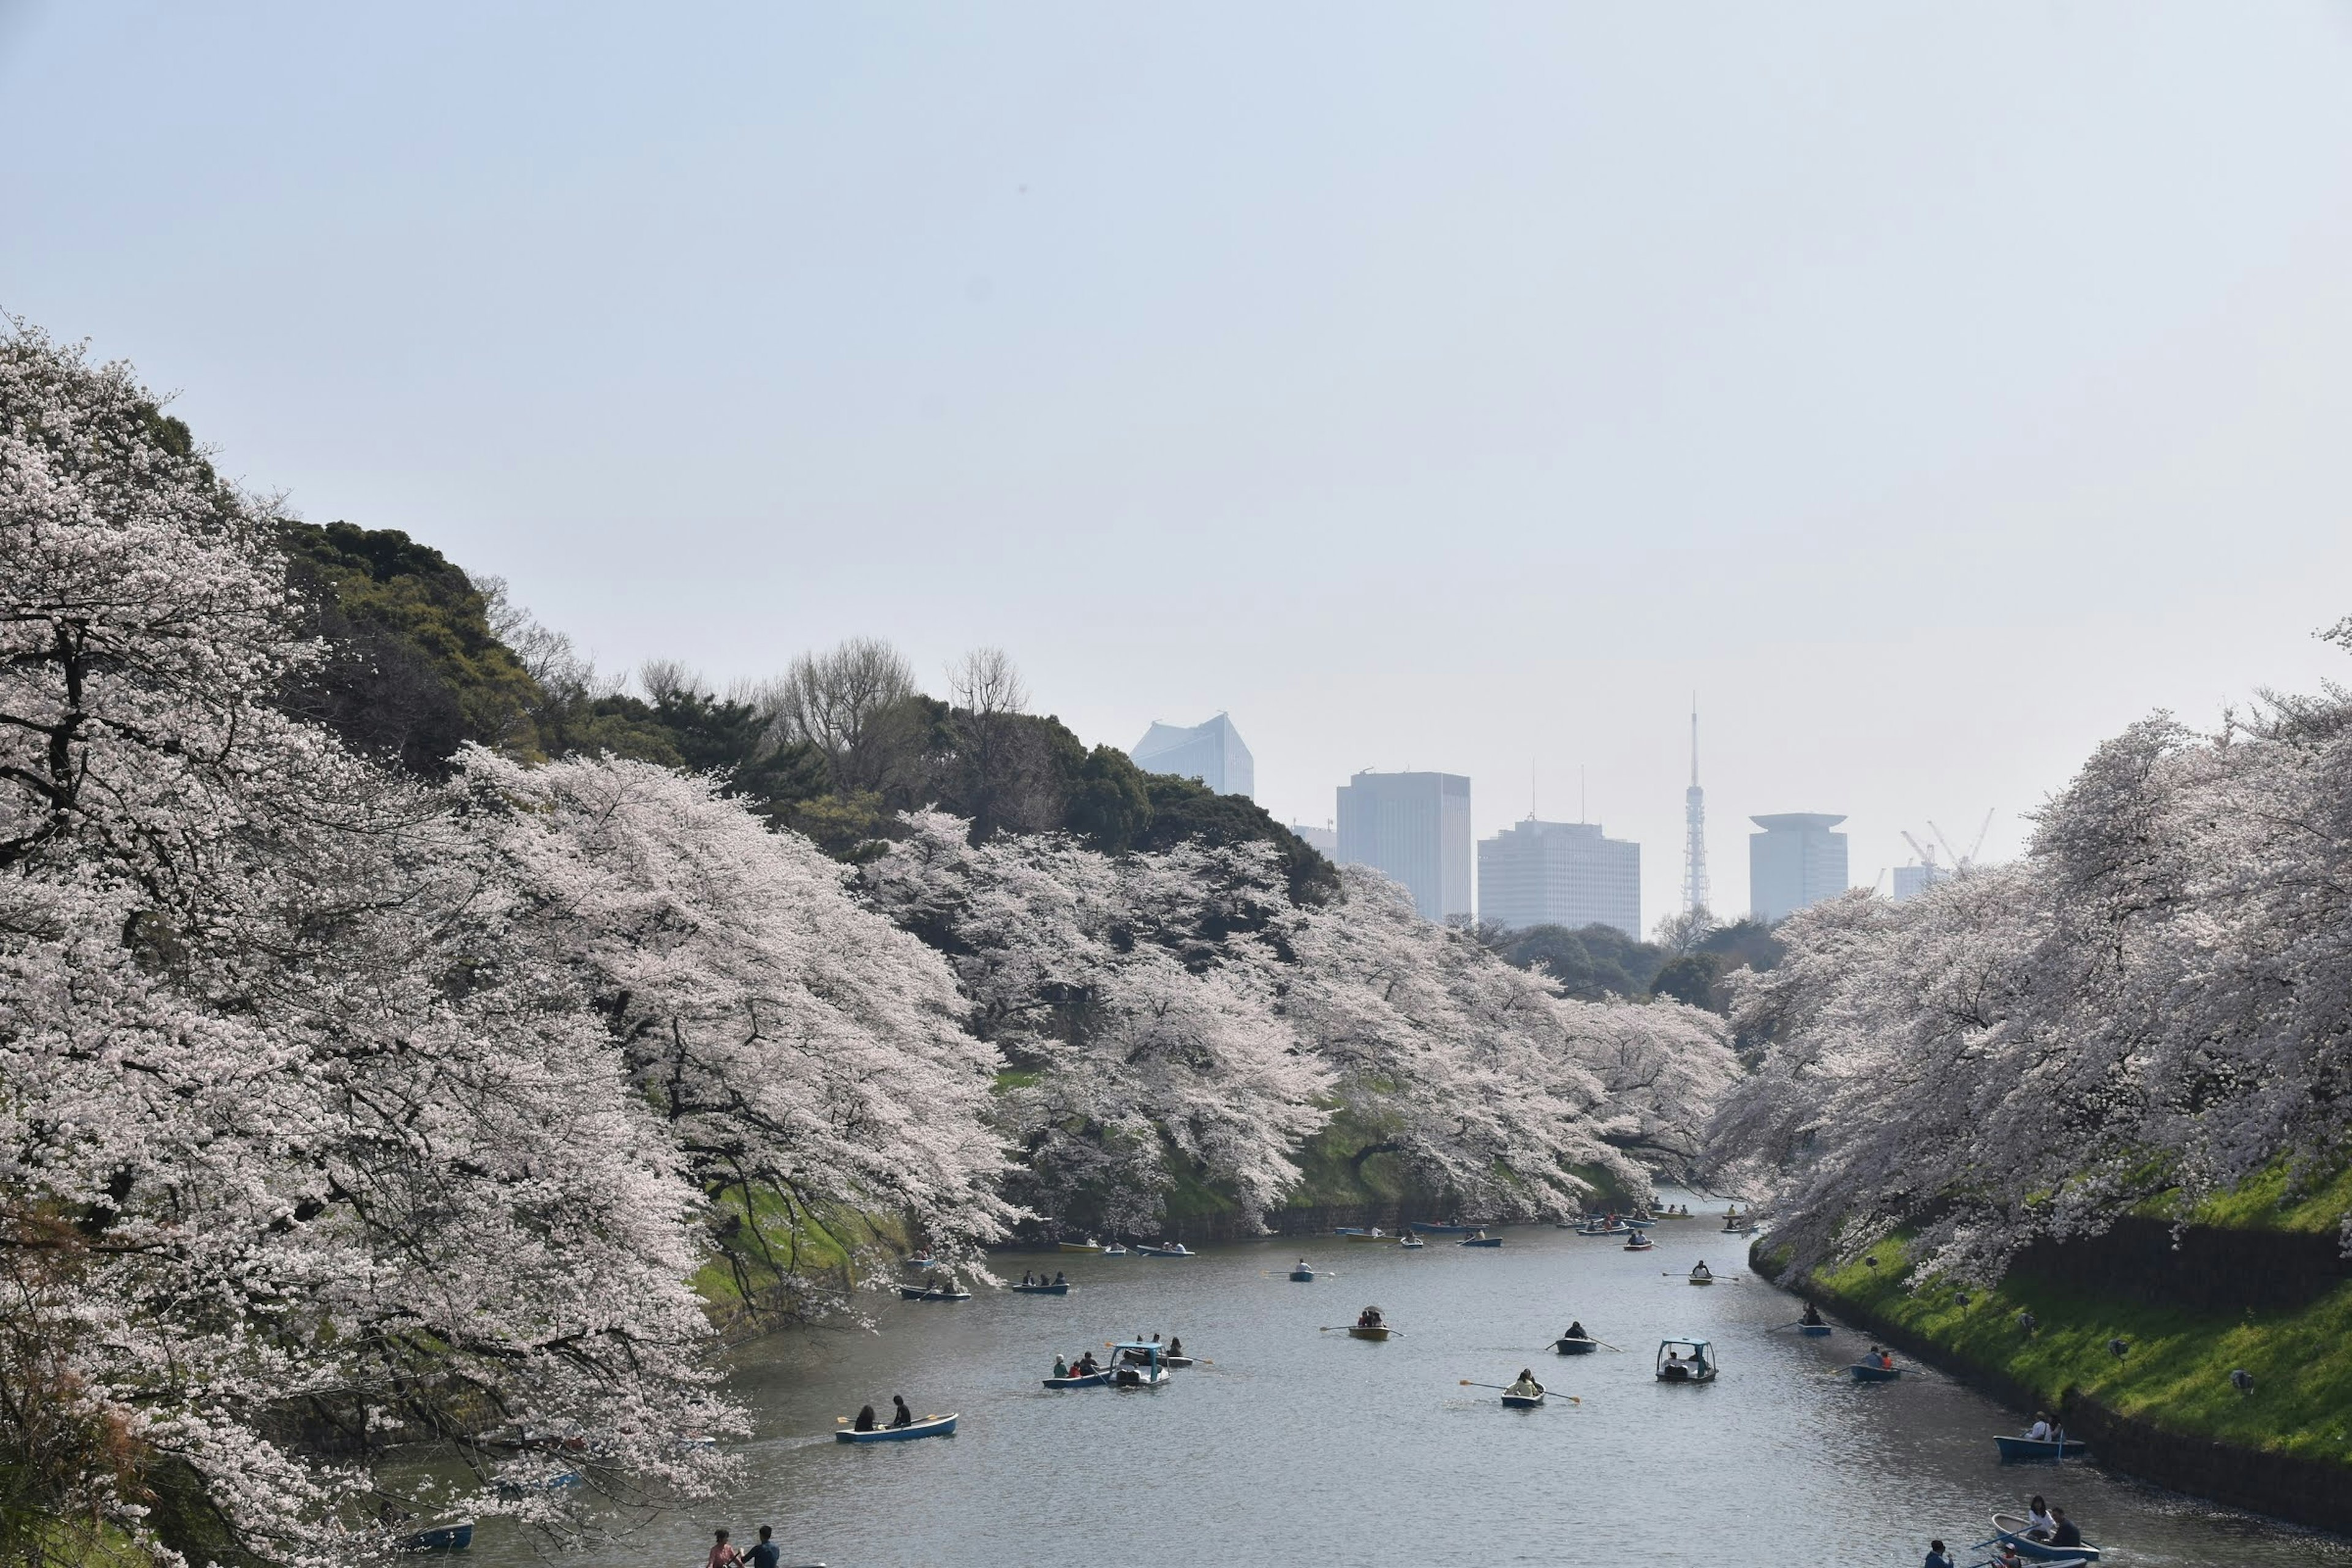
(1153, 1347)
(1689, 1349)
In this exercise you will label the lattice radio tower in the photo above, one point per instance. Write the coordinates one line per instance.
(1694, 829)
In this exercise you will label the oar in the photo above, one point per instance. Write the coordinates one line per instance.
(1548, 1393)
(1587, 1340)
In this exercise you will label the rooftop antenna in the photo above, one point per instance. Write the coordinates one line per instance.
(1581, 817)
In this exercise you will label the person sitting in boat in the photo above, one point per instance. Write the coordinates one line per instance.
(865, 1422)
(1060, 1277)
(2039, 1525)
(1702, 1271)
(1576, 1330)
(1813, 1318)
(722, 1555)
(2063, 1533)
(1088, 1365)
(1176, 1344)
(1061, 1367)
(1886, 1360)
(1370, 1317)
(904, 1418)
(2009, 1557)
(1937, 1558)
(1527, 1388)
(2040, 1431)
(766, 1554)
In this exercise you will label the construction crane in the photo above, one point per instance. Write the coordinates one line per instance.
(1926, 852)
(1960, 861)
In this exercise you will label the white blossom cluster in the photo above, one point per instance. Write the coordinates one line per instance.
(1179, 1006)
(2149, 1009)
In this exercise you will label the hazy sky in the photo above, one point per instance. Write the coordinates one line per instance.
(1935, 390)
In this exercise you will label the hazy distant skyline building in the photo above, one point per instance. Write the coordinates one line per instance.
(1910, 881)
(1794, 862)
(1559, 873)
(1415, 828)
(1211, 753)
(1694, 829)
(1324, 841)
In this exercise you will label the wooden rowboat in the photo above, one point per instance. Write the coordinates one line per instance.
(1567, 1346)
(2010, 1526)
(1374, 1331)
(928, 1426)
(1523, 1400)
(2017, 1449)
(455, 1536)
(1813, 1331)
(1090, 1380)
(1864, 1372)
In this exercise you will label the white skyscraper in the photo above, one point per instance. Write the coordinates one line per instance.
(1415, 827)
(1794, 862)
(1559, 873)
(1211, 753)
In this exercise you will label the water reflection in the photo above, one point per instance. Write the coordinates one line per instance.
(1304, 1447)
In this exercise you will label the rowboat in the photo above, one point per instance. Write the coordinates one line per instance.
(1865, 1373)
(1368, 1330)
(1813, 1331)
(1177, 1361)
(1114, 1250)
(1480, 1241)
(1567, 1346)
(1436, 1229)
(2019, 1448)
(1702, 1278)
(1640, 1223)
(561, 1481)
(1740, 1230)
(1090, 1380)
(1674, 1365)
(1352, 1234)
(1640, 1244)
(947, 1292)
(1523, 1400)
(1173, 1249)
(1600, 1230)
(1061, 1289)
(1080, 1245)
(928, 1426)
(1303, 1275)
(925, 1261)
(2010, 1526)
(1411, 1240)
(455, 1536)
(1138, 1363)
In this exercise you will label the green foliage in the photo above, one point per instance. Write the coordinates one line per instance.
(1690, 978)
(2177, 1373)
(1183, 809)
(1744, 944)
(1592, 963)
(413, 669)
(1108, 800)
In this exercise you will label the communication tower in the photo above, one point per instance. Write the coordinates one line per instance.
(1694, 829)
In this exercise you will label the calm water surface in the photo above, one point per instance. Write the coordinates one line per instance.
(1297, 1446)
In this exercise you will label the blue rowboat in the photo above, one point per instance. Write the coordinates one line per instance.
(1091, 1380)
(1523, 1400)
(1114, 1250)
(1173, 1249)
(1865, 1373)
(1567, 1346)
(562, 1482)
(2011, 1528)
(1353, 1234)
(1481, 1241)
(928, 1426)
(2022, 1448)
(455, 1536)
(949, 1293)
(1815, 1330)
(1061, 1289)
(1303, 1275)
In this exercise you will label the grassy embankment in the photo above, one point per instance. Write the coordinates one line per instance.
(2176, 1375)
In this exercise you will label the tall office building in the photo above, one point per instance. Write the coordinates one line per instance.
(1211, 753)
(1415, 827)
(1910, 881)
(1559, 873)
(1795, 861)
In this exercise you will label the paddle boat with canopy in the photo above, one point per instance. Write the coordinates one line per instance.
(1138, 1363)
(925, 1426)
(2011, 1528)
(1686, 1360)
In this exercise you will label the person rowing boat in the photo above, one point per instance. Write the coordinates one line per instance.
(1527, 1388)
(904, 1418)
(1702, 1271)
(1576, 1330)
(1813, 1318)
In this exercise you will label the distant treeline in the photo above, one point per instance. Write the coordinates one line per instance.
(1598, 961)
(424, 657)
